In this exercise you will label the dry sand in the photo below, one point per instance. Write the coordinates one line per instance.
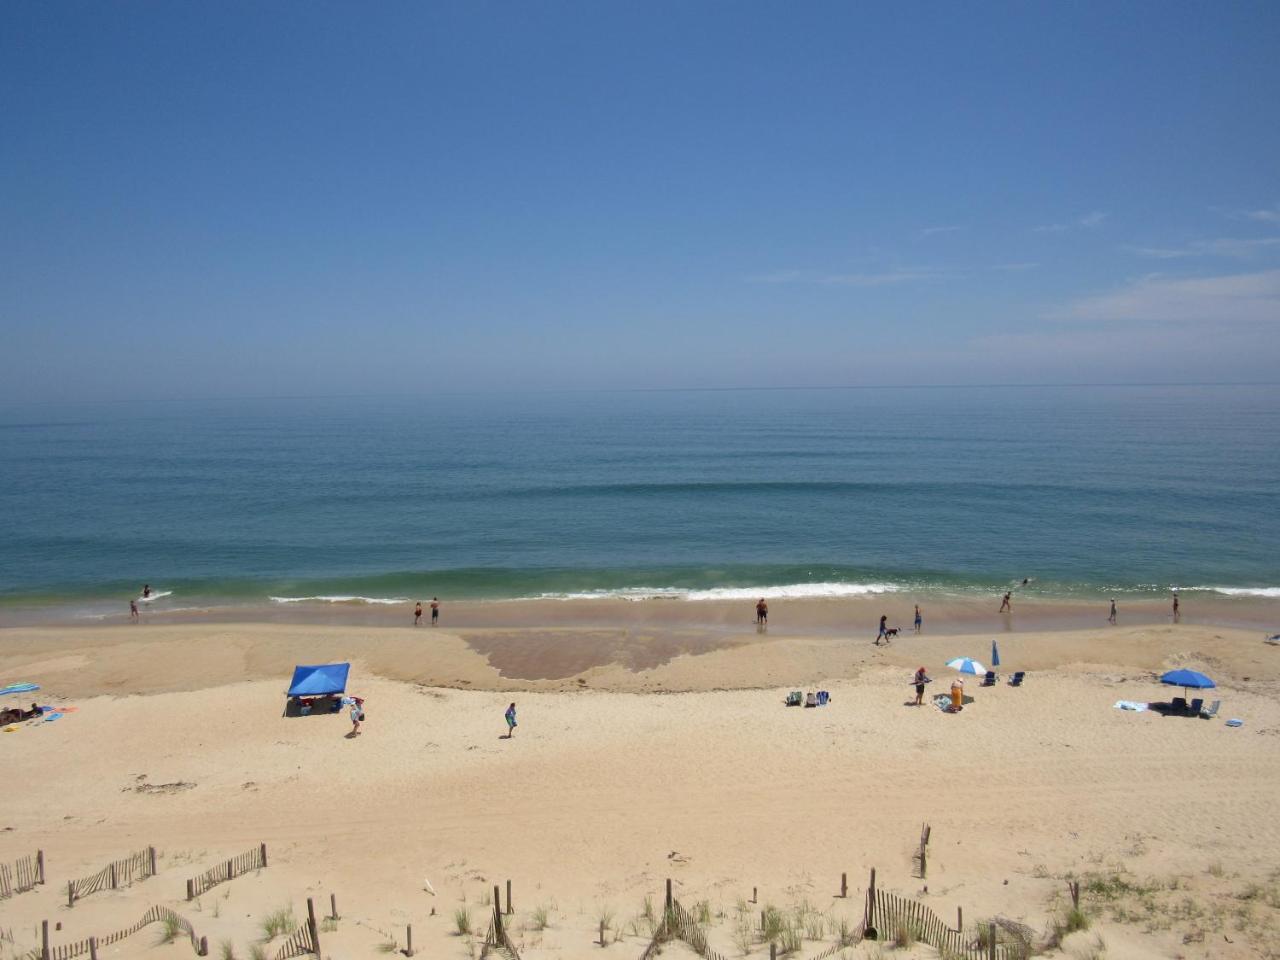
(642, 754)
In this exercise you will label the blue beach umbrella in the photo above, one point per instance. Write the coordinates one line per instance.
(966, 665)
(1187, 678)
(995, 654)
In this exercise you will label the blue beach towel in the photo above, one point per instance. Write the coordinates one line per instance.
(50, 717)
(19, 688)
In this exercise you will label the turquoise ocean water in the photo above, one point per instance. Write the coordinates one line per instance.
(688, 494)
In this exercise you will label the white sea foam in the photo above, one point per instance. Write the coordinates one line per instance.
(340, 599)
(1244, 591)
(792, 591)
(160, 594)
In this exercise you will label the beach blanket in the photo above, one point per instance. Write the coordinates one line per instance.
(1134, 705)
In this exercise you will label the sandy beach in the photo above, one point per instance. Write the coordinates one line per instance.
(641, 755)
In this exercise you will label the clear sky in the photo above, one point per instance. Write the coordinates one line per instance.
(224, 199)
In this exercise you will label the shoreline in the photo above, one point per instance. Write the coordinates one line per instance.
(843, 616)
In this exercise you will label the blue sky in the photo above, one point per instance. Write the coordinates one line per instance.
(309, 198)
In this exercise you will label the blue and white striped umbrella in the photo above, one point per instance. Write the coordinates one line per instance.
(966, 665)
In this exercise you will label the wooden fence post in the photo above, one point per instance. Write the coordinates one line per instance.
(960, 919)
(669, 898)
(991, 940)
(204, 947)
(871, 901)
(113, 875)
(497, 913)
(408, 940)
(753, 895)
(71, 894)
(773, 951)
(924, 866)
(602, 943)
(93, 948)
(1074, 887)
(44, 940)
(151, 857)
(40, 865)
(333, 906)
(510, 908)
(844, 886)
(191, 889)
(262, 849)
(311, 924)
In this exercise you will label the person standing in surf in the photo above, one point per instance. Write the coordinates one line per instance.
(417, 613)
(762, 612)
(919, 619)
(435, 610)
(1005, 605)
(1175, 606)
(133, 610)
(146, 591)
(1112, 618)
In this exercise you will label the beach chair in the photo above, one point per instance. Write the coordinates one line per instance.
(1196, 705)
(810, 699)
(1212, 711)
(1016, 679)
(990, 679)
(1178, 705)
(795, 698)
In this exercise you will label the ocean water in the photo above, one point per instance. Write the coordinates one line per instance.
(696, 494)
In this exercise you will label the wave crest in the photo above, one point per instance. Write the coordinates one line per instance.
(340, 599)
(792, 591)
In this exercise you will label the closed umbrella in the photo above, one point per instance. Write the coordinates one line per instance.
(995, 654)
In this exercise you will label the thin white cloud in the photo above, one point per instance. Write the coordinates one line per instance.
(1242, 298)
(933, 231)
(1088, 221)
(1219, 247)
(881, 279)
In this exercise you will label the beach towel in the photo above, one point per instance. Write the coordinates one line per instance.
(19, 688)
(1134, 705)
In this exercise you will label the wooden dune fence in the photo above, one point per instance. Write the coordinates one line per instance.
(889, 913)
(92, 945)
(496, 939)
(250, 860)
(304, 940)
(119, 873)
(25, 873)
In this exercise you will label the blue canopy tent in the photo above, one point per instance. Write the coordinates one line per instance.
(320, 680)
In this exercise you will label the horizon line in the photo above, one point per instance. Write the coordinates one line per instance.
(726, 389)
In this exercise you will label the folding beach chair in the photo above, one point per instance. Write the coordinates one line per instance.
(990, 679)
(1212, 711)
(1178, 705)
(1195, 707)
(1016, 679)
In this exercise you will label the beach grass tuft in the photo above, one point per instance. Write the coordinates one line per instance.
(462, 921)
(541, 917)
(257, 952)
(227, 950)
(277, 922)
(169, 928)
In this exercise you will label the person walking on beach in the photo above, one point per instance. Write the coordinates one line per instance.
(133, 610)
(919, 620)
(1112, 619)
(884, 630)
(1175, 606)
(921, 679)
(1005, 605)
(357, 716)
(435, 610)
(417, 613)
(762, 611)
(510, 716)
